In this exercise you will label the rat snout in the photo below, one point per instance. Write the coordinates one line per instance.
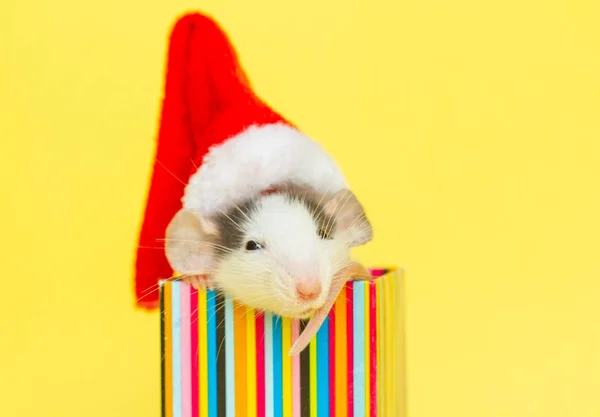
(308, 289)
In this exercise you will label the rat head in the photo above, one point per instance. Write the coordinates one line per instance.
(275, 253)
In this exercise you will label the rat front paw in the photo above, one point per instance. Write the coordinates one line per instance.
(199, 282)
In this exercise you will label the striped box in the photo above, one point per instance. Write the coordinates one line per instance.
(221, 359)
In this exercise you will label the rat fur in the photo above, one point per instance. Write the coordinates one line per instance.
(277, 252)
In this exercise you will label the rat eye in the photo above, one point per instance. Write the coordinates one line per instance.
(324, 234)
(252, 245)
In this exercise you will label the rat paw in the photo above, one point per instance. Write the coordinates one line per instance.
(199, 282)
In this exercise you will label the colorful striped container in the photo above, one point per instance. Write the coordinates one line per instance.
(221, 359)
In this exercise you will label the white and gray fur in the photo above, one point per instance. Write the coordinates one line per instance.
(302, 236)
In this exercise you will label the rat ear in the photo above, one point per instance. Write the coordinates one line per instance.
(349, 217)
(190, 243)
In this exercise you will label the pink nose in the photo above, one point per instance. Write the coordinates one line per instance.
(308, 290)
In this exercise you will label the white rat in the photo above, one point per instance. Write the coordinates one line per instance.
(277, 252)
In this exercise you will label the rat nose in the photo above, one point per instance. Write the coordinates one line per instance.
(308, 290)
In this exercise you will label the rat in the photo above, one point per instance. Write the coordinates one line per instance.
(276, 252)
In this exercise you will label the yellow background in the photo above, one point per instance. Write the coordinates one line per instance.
(469, 128)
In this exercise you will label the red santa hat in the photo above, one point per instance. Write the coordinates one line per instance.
(218, 144)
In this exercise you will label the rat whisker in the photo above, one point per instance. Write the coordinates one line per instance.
(171, 173)
(361, 217)
(202, 242)
(155, 287)
(336, 213)
(237, 225)
(222, 248)
(151, 288)
(238, 208)
(220, 346)
(216, 309)
(333, 216)
(320, 206)
(359, 230)
(151, 247)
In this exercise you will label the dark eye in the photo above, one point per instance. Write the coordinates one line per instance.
(252, 245)
(324, 234)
